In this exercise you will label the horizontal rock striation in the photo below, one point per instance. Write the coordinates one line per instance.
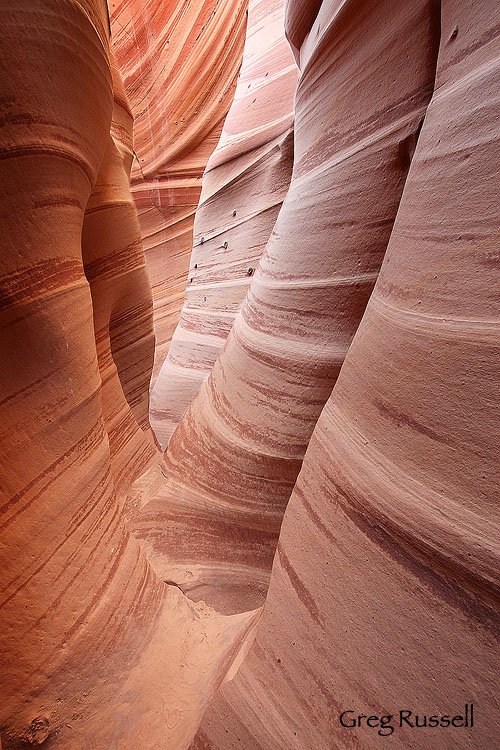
(115, 268)
(339, 462)
(385, 592)
(179, 62)
(243, 187)
(230, 467)
(95, 650)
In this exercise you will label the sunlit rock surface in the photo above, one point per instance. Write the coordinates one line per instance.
(212, 523)
(179, 61)
(243, 188)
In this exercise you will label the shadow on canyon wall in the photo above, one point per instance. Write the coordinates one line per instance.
(321, 533)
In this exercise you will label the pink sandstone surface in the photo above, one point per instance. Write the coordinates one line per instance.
(179, 61)
(384, 590)
(212, 521)
(340, 463)
(244, 185)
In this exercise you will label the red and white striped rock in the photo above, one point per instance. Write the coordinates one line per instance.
(114, 266)
(243, 187)
(213, 524)
(384, 594)
(179, 60)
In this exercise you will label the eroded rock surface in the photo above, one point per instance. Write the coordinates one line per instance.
(244, 185)
(384, 591)
(95, 650)
(213, 523)
(354, 403)
(179, 61)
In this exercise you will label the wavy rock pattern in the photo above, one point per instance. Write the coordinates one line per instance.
(385, 590)
(115, 268)
(179, 61)
(230, 467)
(243, 188)
(95, 650)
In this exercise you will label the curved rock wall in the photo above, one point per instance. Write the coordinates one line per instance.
(385, 592)
(95, 650)
(114, 266)
(179, 61)
(368, 341)
(243, 187)
(213, 522)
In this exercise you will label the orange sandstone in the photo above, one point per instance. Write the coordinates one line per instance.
(95, 650)
(179, 60)
(213, 523)
(244, 185)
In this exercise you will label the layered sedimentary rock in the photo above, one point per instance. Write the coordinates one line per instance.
(384, 591)
(114, 266)
(213, 521)
(384, 594)
(179, 61)
(95, 650)
(243, 187)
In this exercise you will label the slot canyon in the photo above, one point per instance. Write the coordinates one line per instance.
(249, 492)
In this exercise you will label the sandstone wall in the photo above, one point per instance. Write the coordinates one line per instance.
(340, 461)
(213, 520)
(95, 650)
(244, 185)
(384, 591)
(179, 61)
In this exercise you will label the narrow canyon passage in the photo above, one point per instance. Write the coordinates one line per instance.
(233, 460)
(249, 442)
(179, 62)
